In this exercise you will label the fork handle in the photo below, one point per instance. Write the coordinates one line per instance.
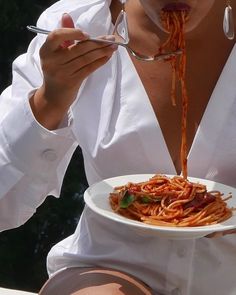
(38, 30)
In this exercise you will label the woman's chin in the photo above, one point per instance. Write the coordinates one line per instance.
(187, 29)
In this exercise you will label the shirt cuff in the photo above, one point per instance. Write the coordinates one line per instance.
(30, 146)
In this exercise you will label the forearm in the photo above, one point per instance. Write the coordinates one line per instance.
(33, 163)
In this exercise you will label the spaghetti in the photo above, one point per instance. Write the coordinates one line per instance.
(169, 201)
(174, 21)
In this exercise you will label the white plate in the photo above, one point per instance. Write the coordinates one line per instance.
(97, 198)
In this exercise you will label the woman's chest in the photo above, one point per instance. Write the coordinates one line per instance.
(202, 73)
(126, 129)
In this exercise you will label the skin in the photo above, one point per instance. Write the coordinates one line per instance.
(158, 75)
(199, 10)
(91, 281)
(65, 65)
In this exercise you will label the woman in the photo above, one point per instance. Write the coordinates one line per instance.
(118, 110)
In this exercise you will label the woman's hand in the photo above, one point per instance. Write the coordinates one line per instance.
(221, 233)
(65, 64)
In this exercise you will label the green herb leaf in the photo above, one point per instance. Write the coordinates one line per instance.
(127, 200)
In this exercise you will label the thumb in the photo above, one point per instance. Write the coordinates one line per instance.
(67, 22)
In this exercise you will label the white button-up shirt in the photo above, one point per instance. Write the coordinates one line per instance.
(113, 122)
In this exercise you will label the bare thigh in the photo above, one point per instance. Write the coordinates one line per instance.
(94, 281)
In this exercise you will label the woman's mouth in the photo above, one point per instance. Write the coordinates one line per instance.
(176, 6)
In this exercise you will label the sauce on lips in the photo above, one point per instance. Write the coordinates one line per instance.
(174, 6)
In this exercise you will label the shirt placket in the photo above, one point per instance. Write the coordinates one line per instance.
(179, 267)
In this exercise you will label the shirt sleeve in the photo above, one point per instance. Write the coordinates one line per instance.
(33, 160)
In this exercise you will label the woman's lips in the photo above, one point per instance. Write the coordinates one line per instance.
(174, 6)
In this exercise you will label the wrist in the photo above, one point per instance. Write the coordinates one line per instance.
(48, 110)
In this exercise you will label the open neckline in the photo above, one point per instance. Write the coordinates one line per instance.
(155, 118)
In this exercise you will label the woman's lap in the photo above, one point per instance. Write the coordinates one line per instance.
(94, 281)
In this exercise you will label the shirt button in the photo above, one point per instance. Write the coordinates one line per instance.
(181, 252)
(49, 155)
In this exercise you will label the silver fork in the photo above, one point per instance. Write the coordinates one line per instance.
(137, 55)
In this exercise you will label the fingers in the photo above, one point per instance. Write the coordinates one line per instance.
(67, 22)
(91, 57)
(81, 64)
(59, 36)
(221, 233)
(81, 49)
(83, 73)
(71, 73)
(215, 235)
(79, 54)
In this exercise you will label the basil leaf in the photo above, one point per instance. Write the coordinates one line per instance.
(127, 200)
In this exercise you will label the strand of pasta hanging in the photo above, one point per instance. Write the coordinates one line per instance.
(173, 22)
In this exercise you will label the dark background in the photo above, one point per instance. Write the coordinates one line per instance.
(23, 250)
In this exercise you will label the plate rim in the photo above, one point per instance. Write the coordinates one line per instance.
(194, 231)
